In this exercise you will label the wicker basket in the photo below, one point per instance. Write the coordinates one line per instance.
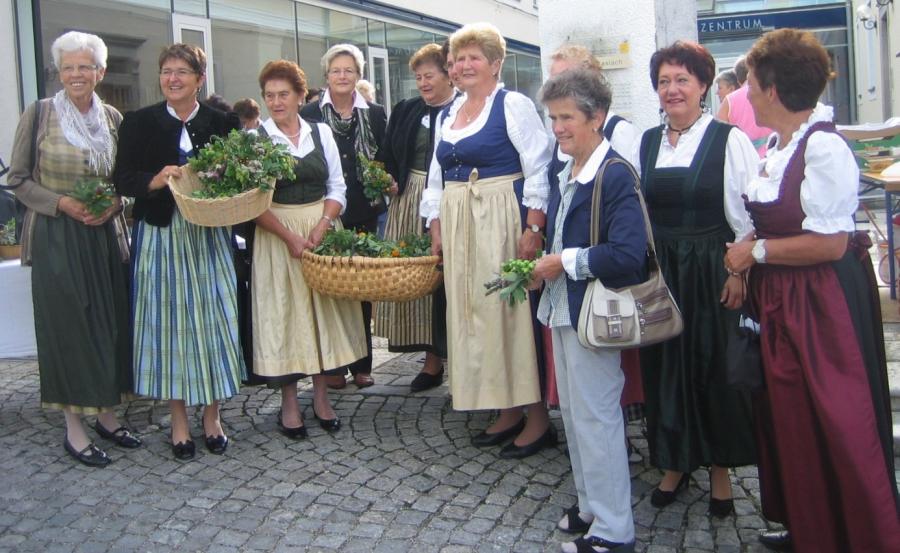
(217, 212)
(11, 252)
(372, 278)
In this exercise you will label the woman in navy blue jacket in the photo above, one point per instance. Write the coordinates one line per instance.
(589, 382)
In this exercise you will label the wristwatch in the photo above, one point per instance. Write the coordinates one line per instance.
(536, 229)
(759, 251)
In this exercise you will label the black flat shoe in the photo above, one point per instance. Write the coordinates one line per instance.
(295, 433)
(660, 498)
(184, 451)
(574, 524)
(721, 508)
(596, 544)
(121, 436)
(779, 540)
(328, 425)
(513, 451)
(424, 381)
(484, 439)
(217, 444)
(91, 456)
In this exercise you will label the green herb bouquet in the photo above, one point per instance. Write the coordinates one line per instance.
(513, 280)
(376, 181)
(240, 162)
(346, 242)
(96, 195)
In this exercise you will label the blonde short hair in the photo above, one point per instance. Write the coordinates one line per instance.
(483, 35)
(73, 41)
(344, 50)
(577, 54)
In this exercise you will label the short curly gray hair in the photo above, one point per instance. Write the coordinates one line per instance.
(74, 41)
(588, 88)
(344, 50)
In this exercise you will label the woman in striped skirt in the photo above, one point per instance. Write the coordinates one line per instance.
(184, 307)
(418, 325)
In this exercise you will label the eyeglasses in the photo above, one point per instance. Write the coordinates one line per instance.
(340, 72)
(71, 69)
(180, 73)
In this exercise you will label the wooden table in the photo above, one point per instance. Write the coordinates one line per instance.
(891, 186)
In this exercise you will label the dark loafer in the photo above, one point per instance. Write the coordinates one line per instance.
(720, 508)
(328, 425)
(513, 451)
(91, 456)
(217, 444)
(574, 524)
(779, 540)
(424, 381)
(363, 380)
(484, 439)
(295, 433)
(121, 436)
(336, 382)
(184, 451)
(660, 498)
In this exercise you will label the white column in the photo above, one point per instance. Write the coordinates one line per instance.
(9, 86)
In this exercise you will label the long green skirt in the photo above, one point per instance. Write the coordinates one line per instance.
(80, 292)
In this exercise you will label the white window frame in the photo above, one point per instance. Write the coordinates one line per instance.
(181, 22)
(382, 54)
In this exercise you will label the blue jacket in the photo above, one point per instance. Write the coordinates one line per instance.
(621, 257)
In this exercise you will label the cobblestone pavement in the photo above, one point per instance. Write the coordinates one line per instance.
(400, 476)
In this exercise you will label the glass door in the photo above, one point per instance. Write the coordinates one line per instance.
(378, 76)
(194, 30)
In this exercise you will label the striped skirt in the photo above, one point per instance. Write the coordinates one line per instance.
(406, 325)
(184, 308)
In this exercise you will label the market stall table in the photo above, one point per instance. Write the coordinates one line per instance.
(891, 186)
(16, 312)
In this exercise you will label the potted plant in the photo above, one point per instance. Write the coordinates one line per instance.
(9, 246)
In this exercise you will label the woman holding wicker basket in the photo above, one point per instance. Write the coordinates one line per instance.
(296, 331)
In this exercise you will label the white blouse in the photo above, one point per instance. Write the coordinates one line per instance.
(335, 187)
(741, 162)
(527, 134)
(828, 192)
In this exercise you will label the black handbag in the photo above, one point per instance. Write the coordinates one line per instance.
(743, 358)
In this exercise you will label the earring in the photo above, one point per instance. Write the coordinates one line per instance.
(662, 116)
(703, 107)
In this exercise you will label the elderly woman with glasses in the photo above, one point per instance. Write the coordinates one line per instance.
(184, 296)
(359, 129)
(79, 269)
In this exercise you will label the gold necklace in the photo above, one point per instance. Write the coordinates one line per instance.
(466, 113)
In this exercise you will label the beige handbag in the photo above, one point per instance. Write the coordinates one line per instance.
(633, 316)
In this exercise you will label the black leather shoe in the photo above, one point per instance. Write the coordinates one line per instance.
(184, 451)
(779, 540)
(91, 456)
(660, 498)
(217, 444)
(121, 436)
(596, 544)
(513, 451)
(572, 523)
(720, 508)
(424, 381)
(328, 425)
(485, 439)
(295, 433)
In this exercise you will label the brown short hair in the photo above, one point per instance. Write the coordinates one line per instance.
(579, 55)
(283, 70)
(795, 63)
(192, 55)
(246, 108)
(430, 53)
(483, 35)
(692, 56)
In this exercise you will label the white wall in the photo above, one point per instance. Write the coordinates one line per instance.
(520, 24)
(605, 25)
(9, 86)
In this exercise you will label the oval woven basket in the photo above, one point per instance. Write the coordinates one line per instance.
(372, 278)
(217, 212)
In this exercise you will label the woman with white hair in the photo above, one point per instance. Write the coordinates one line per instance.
(79, 265)
(358, 128)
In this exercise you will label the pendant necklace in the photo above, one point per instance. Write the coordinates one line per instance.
(680, 132)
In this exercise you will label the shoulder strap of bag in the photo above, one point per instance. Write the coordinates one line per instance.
(596, 208)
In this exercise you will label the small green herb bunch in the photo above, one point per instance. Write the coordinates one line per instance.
(346, 242)
(240, 162)
(376, 181)
(513, 280)
(96, 195)
(8, 233)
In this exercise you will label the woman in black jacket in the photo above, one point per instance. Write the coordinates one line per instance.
(358, 128)
(184, 312)
(418, 325)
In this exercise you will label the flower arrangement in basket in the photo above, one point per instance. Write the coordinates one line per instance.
(362, 267)
(231, 179)
(9, 246)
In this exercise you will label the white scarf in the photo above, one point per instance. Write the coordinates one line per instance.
(89, 131)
